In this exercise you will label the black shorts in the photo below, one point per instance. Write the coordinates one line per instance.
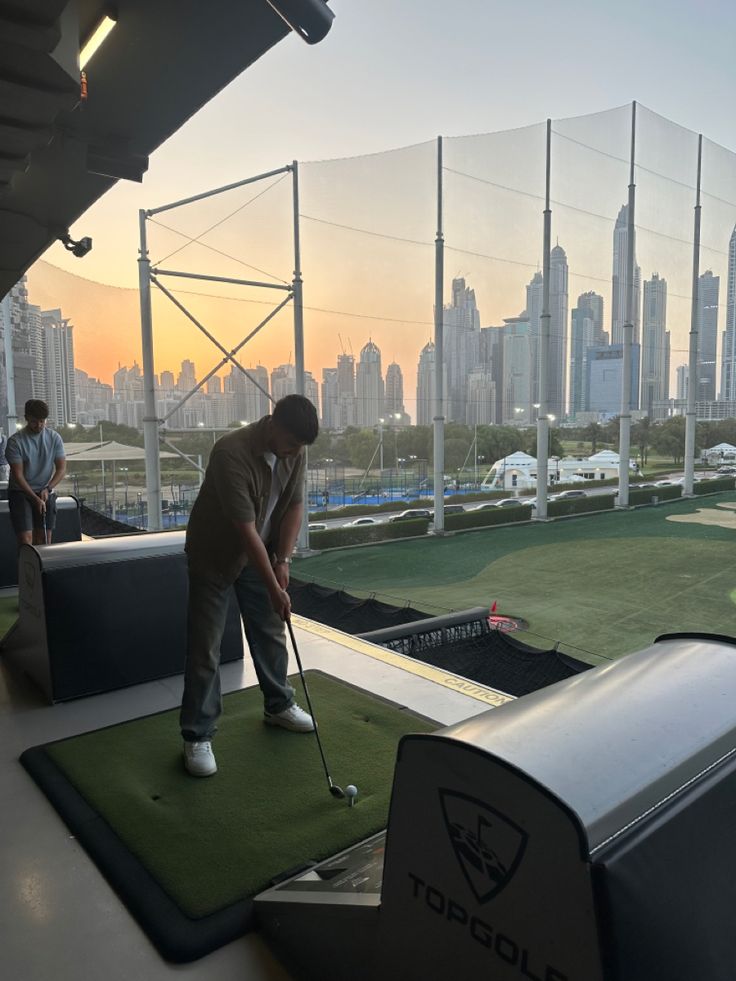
(25, 517)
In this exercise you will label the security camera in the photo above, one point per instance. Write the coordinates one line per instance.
(78, 248)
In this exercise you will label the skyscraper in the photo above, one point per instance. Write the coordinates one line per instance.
(491, 355)
(369, 386)
(329, 398)
(346, 407)
(426, 387)
(586, 331)
(605, 375)
(61, 385)
(249, 401)
(283, 381)
(707, 326)
(187, 379)
(620, 282)
(728, 369)
(518, 359)
(93, 398)
(655, 345)
(461, 321)
(481, 410)
(257, 402)
(533, 313)
(394, 400)
(29, 362)
(558, 303)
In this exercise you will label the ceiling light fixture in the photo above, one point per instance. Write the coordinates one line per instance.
(96, 38)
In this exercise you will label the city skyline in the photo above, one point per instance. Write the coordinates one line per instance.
(480, 387)
(367, 255)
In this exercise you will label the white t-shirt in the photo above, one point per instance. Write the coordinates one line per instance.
(272, 460)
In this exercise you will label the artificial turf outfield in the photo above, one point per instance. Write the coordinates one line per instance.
(602, 585)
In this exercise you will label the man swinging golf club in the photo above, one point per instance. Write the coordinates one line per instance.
(241, 533)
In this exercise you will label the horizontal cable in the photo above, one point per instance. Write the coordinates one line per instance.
(216, 224)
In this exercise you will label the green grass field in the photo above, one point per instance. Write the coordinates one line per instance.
(601, 586)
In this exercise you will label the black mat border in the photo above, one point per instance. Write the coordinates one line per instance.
(177, 937)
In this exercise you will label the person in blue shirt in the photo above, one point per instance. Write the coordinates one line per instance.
(37, 464)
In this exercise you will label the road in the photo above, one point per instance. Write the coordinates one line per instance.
(385, 516)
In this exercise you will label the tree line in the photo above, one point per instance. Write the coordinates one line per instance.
(410, 447)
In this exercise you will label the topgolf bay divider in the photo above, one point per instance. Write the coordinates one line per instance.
(581, 833)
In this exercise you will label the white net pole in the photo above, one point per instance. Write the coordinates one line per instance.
(439, 418)
(624, 445)
(544, 322)
(691, 415)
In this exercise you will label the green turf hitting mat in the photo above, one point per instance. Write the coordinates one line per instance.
(186, 854)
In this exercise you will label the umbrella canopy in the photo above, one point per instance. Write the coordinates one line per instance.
(110, 450)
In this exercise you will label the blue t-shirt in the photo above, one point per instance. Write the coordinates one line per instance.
(38, 452)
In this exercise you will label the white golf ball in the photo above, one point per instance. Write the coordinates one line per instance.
(351, 790)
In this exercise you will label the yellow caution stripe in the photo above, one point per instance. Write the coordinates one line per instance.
(446, 679)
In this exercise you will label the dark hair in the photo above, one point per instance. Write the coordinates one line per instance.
(36, 409)
(298, 417)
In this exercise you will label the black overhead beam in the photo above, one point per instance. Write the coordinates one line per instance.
(163, 61)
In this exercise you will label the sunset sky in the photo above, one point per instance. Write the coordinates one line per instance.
(392, 74)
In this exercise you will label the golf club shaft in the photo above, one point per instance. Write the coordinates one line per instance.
(309, 701)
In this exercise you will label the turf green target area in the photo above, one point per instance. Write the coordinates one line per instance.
(601, 585)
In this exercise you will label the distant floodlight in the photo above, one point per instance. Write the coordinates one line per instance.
(96, 38)
(310, 19)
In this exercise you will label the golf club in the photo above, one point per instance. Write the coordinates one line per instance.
(334, 789)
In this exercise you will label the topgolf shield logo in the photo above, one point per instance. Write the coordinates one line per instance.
(488, 846)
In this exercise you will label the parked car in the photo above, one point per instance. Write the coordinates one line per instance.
(505, 502)
(665, 483)
(360, 521)
(454, 509)
(642, 486)
(410, 514)
(568, 495)
(318, 526)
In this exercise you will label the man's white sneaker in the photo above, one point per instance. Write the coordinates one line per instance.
(199, 759)
(293, 718)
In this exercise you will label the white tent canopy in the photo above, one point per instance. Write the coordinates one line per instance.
(721, 448)
(108, 451)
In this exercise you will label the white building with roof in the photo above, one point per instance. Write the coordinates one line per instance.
(518, 471)
(720, 453)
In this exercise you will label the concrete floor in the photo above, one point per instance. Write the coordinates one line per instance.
(59, 918)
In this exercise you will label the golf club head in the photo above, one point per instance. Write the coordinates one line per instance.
(336, 791)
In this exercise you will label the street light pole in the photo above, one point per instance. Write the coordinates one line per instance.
(475, 453)
(102, 463)
(551, 420)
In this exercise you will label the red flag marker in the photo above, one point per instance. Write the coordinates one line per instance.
(493, 608)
